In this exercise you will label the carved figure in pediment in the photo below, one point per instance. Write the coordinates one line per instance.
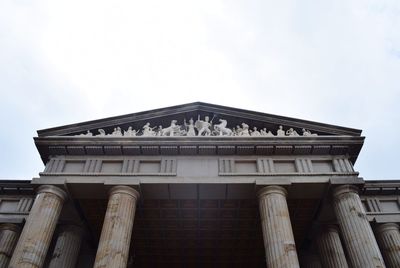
(158, 131)
(88, 134)
(244, 130)
(291, 132)
(221, 128)
(266, 133)
(190, 131)
(148, 131)
(280, 132)
(255, 132)
(237, 131)
(130, 132)
(101, 132)
(203, 126)
(117, 132)
(306, 132)
(172, 130)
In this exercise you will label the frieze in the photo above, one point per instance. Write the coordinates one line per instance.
(200, 127)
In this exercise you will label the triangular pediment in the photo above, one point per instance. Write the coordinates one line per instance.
(195, 114)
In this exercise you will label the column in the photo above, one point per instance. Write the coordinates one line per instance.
(357, 233)
(116, 234)
(66, 250)
(36, 235)
(280, 249)
(8, 239)
(330, 248)
(388, 237)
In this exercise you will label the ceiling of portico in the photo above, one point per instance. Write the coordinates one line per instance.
(200, 232)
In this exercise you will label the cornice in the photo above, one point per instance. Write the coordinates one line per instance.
(82, 145)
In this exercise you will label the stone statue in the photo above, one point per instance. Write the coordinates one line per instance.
(203, 126)
(190, 128)
(148, 131)
(244, 130)
(172, 130)
(306, 132)
(291, 132)
(221, 128)
(101, 132)
(130, 132)
(255, 132)
(280, 132)
(88, 134)
(117, 132)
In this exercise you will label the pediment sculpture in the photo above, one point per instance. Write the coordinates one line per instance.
(200, 127)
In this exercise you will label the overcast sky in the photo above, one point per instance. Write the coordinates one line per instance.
(335, 62)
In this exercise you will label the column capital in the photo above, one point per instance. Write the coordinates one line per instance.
(122, 189)
(52, 190)
(387, 227)
(344, 189)
(330, 228)
(272, 189)
(10, 227)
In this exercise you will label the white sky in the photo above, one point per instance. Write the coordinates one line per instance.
(335, 62)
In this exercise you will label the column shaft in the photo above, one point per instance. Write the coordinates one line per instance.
(330, 248)
(357, 232)
(280, 248)
(388, 237)
(36, 235)
(8, 239)
(116, 234)
(66, 250)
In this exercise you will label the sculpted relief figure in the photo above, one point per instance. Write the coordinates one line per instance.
(117, 132)
(101, 132)
(172, 130)
(204, 128)
(280, 132)
(255, 132)
(148, 131)
(291, 132)
(221, 128)
(308, 133)
(88, 133)
(190, 132)
(245, 130)
(130, 132)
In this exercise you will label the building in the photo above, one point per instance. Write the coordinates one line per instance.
(199, 185)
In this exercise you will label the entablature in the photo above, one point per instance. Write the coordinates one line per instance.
(132, 146)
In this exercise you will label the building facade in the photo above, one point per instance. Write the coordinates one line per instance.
(199, 185)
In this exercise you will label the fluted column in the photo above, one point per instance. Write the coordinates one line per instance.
(116, 234)
(330, 248)
(36, 235)
(66, 250)
(8, 239)
(357, 232)
(388, 237)
(280, 248)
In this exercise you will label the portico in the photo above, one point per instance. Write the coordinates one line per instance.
(258, 190)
